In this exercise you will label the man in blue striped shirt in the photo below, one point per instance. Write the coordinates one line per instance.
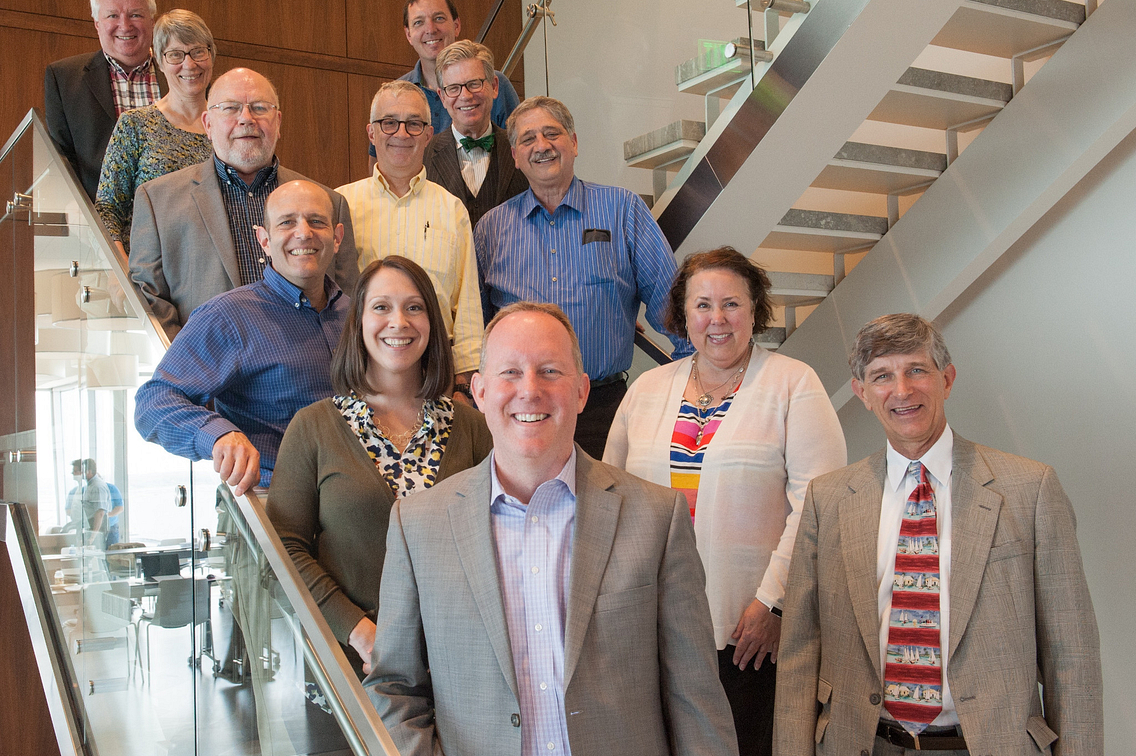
(594, 250)
(259, 352)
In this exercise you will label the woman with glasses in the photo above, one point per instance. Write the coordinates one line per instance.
(390, 430)
(161, 138)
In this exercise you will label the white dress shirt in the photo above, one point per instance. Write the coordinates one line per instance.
(474, 163)
(534, 559)
(939, 462)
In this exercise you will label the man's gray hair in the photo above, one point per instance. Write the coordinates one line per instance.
(152, 4)
(548, 309)
(901, 333)
(464, 49)
(555, 108)
(182, 26)
(398, 87)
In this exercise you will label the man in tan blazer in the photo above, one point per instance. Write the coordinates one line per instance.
(1013, 605)
(544, 602)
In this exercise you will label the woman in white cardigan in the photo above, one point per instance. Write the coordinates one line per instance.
(741, 431)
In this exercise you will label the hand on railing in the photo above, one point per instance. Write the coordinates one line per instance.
(237, 461)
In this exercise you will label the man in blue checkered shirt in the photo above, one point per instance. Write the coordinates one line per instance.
(259, 352)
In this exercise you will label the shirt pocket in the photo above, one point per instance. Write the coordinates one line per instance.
(599, 263)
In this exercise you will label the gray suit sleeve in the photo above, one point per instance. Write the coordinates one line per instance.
(1068, 642)
(146, 263)
(57, 127)
(347, 258)
(399, 684)
(798, 660)
(694, 703)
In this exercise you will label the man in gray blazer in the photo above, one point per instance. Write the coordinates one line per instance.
(544, 602)
(933, 585)
(193, 235)
(480, 173)
(80, 101)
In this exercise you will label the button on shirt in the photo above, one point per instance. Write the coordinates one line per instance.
(939, 462)
(431, 227)
(525, 253)
(534, 557)
(260, 352)
(244, 205)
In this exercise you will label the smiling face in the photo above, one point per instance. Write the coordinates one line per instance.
(395, 325)
(531, 392)
(300, 235)
(431, 28)
(719, 316)
(125, 29)
(244, 141)
(545, 152)
(470, 111)
(398, 156)
(907, 393)
(189, 78)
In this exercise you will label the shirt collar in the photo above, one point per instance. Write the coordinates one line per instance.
(573, 198)
(415, 75)
(938, 460)
(143, 67)
(292, 293)
(229, 175)
(567, 477)
(416, 183)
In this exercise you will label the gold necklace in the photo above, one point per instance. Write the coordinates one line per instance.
(706, 397)
(400, 439)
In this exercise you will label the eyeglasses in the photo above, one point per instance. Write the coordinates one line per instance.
(389, 126)
(472, 86)
(200, 54)
(232, 109)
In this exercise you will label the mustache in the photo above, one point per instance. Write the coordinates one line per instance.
(544, 154)
(246, 131)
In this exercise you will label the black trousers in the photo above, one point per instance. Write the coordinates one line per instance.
(750, 694)
(594, 422)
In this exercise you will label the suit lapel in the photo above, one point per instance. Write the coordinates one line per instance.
(96, 75)
(446, 164)
(501, 166)
(597, 514)
(859, 536)
(206, 195)
(974, 516)
(473, 537)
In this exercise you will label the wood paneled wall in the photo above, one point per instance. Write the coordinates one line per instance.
(326, 57)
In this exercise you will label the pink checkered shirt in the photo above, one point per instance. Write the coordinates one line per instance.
(135, 88)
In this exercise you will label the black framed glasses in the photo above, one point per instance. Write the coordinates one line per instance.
(199, 54)
(389, 126)
(472, 86)
(232, 108)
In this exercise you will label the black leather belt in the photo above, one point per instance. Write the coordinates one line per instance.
(937, 739)
(609, 380)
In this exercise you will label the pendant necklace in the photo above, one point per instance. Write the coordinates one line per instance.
(706, 397)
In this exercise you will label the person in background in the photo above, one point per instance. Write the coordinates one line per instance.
(157, 139)
(592, 250)
(388, 432)
(248, 360)
(431, 26)
(935, 586)
(117, 507)
(85, 94)
(89, 502)
(398, 210)
(741, 431)
(194, 231)
(471, 159)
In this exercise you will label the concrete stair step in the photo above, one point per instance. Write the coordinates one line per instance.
(798, 289)
(879, 169)
(720, 71)
(664, 146)
(937, 100)
(771, 338)
(819, 231)
(1005, 28)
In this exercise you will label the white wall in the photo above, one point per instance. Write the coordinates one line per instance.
(612, 64)
(1045, 346)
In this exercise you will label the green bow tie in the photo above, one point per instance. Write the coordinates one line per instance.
(485, 143)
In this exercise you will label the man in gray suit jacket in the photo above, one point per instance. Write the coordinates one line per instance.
(193, 235)
(481, 174)
(544, 602)
(933, 585)
(79, 100)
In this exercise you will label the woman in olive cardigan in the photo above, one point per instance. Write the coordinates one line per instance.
(389, 430)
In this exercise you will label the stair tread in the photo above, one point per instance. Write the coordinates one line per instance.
(938, 100)
(664, 145)
(711, 71)
(821, 220)
(771, 338)
(880, 169)
(798, 289)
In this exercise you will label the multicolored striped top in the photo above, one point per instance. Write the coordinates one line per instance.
(694, 430)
